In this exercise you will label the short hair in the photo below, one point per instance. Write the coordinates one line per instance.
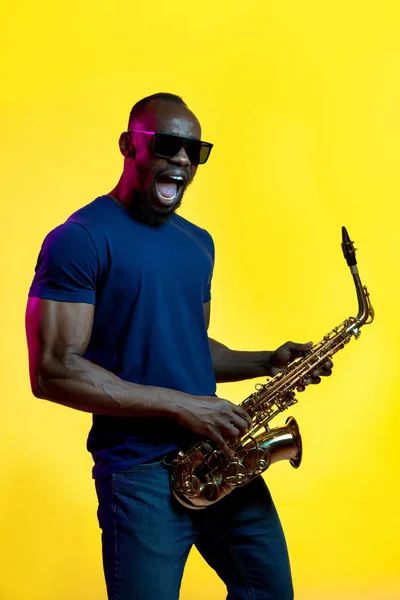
(140, 106)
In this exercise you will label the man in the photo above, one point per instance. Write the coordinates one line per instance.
(117, 322)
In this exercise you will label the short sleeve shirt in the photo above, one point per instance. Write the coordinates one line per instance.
(148, 285)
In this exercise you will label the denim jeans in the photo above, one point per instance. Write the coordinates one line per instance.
(147, 536)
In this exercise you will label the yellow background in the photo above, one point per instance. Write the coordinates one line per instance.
(302, 102)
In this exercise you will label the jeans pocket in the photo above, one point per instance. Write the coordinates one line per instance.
(148, 466)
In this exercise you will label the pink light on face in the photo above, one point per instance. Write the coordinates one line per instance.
(140, 131)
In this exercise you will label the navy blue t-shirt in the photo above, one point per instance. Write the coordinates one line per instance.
(148, 285)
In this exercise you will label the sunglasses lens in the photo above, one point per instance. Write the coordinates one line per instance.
(197, 151)
(193, 148)
(204, 153)
(167, 146)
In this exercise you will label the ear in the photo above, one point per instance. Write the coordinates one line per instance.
(126, 145)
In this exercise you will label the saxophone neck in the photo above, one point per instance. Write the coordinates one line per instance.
(365, 310)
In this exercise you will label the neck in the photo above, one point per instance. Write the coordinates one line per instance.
(123, 193)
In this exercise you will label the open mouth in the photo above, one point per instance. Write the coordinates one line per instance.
(168, 188)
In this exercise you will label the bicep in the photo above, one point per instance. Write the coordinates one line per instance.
(54, 330)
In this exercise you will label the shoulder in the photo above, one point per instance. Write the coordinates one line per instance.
(93, 224)
(68, 236)
(92, 215)
(67, 250)
(78, 236)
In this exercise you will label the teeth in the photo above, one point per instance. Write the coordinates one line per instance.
(178, 178)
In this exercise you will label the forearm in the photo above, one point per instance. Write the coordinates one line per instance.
(236, 365)
(80, 384)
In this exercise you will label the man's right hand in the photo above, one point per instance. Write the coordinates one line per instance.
(215, 419)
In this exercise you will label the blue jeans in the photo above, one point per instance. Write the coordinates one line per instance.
(147, 536)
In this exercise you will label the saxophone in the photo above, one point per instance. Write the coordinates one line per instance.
(204, 474)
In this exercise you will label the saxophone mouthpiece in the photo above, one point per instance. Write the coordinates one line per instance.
(349, 251)
(345, 235)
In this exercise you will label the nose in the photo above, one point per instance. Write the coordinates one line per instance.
(181, 158)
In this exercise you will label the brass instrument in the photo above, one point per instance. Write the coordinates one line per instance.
(204, 474)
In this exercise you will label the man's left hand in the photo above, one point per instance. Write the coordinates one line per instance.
(286, 353)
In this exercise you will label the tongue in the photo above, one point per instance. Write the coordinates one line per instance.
(167, 189)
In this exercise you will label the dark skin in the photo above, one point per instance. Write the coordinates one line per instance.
(58, 333)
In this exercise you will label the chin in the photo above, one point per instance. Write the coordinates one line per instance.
(151, 213)
(163, 214)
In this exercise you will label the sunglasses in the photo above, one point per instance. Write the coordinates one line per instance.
(167, 145)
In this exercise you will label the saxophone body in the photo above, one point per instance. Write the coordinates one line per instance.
(203, 474)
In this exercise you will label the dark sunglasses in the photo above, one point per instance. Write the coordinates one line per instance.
(167, 145)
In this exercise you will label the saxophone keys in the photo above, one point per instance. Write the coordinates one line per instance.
(192, 486)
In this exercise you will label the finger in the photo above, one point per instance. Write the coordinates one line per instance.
(215, 436)
(275, 370)
(316, 373)
(301, 388)
(241, 424)
(303, 347)
(244, 415)
(316, 380)
(231, 431)
(328, 365)
(326, 372)
(225, 448)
